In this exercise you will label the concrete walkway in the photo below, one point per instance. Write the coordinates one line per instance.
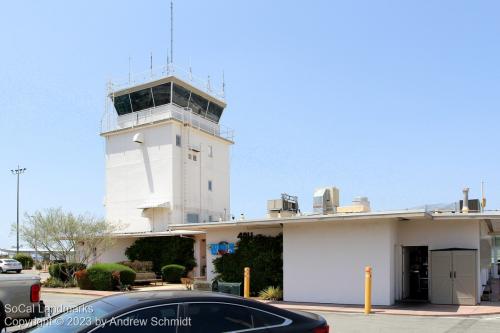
(424, 309)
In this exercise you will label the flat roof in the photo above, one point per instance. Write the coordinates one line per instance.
(403, 215)
(170, 78)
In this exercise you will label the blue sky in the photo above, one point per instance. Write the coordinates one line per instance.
(395, 100)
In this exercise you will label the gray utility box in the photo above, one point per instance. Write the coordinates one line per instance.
(233, 288)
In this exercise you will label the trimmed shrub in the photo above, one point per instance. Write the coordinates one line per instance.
(139, 266)
(82, 279)
(25, 260)
(65, 271)
(263, 254)
(101, 276)
(163, 251)
(173, 273)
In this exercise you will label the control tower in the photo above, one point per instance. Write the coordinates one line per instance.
(167, 156)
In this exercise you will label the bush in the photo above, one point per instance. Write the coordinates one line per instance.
(264, 256)
(82, 279)
(65, 271)
(101, 276)
(173, 273)
(39, 267)
(272, 294)
(139, 266)
(163, 251)
(52, 282)
(25, 260)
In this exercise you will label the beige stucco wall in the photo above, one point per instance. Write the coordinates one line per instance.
(335, 253)
(116, 252)
(158, 171)
(324, 262)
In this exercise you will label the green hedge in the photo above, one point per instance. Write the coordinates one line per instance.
(264, 256)
(65, 271)
(163, 251)
(25, 260)
(173, 273)
(101, 276)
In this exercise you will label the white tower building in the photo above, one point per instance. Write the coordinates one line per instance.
(167, 156)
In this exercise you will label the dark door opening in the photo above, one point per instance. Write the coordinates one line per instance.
(415, 273)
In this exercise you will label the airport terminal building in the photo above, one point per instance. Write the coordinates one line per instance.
(168, 174)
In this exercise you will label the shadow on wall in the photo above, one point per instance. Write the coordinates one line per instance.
(147, 167)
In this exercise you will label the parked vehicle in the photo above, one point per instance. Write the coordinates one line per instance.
(180, 312)
(10, 265)
(19, 298)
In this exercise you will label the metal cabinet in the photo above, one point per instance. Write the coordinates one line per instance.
(454, 277)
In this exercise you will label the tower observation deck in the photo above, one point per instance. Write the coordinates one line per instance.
(165, 94)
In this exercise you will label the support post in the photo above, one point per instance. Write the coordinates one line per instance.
(368, 289)
(246, 283)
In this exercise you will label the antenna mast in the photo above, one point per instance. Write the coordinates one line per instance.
(171, 31)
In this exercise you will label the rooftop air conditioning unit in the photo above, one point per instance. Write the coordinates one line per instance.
(288, 205)
(326, 200)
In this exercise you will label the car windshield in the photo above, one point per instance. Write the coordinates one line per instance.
(73, 320)
(10, 260)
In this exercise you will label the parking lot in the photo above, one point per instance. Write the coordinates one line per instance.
(350, 323)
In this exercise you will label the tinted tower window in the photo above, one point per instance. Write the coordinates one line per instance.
(122, 104)
(161, 94)
(181, 96)
(141, 99)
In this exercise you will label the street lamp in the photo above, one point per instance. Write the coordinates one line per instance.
(19, 171)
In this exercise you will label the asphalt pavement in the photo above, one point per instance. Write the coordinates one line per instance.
(351, 323)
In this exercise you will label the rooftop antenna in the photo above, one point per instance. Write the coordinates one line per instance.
(190, 70)
(223, 85)
(129, 69)
(151, 63)
(168, 64)
(483, 196)
(171, 31)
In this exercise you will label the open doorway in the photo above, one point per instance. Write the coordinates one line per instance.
(415, 273)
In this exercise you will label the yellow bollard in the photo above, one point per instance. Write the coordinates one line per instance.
(368, 289)
(246, 283)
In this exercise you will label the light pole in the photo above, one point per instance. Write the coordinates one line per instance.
(19, 171)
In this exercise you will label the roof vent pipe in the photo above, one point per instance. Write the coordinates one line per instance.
(465, 207)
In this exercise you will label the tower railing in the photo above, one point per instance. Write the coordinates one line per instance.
(112, 122)
(157, 73)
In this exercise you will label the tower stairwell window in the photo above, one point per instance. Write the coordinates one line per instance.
(193, 218)
(210, 186)
(178, 140)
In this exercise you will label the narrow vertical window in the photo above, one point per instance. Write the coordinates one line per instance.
(178, 140)
(210, 185)
(210, 151)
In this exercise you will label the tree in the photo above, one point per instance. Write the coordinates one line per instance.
(264, 256)
(65, 236)
(163, 251)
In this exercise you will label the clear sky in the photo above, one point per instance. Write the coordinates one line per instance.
(394, 100)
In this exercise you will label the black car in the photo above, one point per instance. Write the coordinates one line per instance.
(180, 312)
